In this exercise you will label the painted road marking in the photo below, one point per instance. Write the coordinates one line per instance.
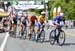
(4, 42)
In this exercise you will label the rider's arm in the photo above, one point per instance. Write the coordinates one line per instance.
(36, 19)
(30, 19)
(46, 20)
(57, 22)
(27, 19)
(64, 22)
(39, 18)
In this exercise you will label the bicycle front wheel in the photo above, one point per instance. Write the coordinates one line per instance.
(42, 36)
(52, 37)
(61, 38)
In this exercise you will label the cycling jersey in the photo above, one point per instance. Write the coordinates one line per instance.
(58, 19)
(33, 18)
(41, 18)
(24, 21)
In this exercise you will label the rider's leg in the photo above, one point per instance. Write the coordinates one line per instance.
(55, 27)
(22, 28)
(37, 27)
(37, 31)
(30, 27)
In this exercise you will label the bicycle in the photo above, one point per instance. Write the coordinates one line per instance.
(12, 31)
(23, 32)
(24, 28)
(33, 35)
(57, 35)
(41, 34)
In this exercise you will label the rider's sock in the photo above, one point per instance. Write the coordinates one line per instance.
(36, 36)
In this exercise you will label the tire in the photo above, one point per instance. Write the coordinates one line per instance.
(1, 30)
(33, 36)
(14, 33)
(51, 38)
(10, 33)
(25, 34)
(20, 35)
(61, 36)
(42, 36)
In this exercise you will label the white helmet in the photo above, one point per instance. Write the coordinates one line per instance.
(62, 14)
(20, 13)
(43, 12)
(25, 14)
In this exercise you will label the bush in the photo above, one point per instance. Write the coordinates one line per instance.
(67, 7)
(38, 11)
(31, 10)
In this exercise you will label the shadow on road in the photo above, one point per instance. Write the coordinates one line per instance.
(46, 41)
(68, 44)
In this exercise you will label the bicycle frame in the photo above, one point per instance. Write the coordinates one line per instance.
(59, 30)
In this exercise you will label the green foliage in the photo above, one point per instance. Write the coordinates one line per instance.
(38, 11)
(67, 8)
(31, 10)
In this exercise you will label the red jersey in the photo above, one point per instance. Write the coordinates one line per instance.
(33, 18)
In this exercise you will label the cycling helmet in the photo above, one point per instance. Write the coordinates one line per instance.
(62, 14)
(20, 13)
(43, 12)
(25, 14)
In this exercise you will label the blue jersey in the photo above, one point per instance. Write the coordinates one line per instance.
(58, 19)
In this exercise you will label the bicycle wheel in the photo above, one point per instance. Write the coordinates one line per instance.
(25, 33)
(42, 36)
(33, 36)
(51, 37)
(61, 38)
(21, 32)
(20, 35)
(14, 33)
(10, 31)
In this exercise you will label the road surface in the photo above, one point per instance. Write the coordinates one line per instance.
(16, 44)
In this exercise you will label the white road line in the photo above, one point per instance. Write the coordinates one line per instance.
(4, 42)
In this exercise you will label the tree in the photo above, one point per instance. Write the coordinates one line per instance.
(67, 8)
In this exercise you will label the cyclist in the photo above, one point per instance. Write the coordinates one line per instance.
(42, 18)
(25, 18)
(24, 21)
(14, 22)
(59, 20)
(41, 21)
(19, 22)
(32, 19)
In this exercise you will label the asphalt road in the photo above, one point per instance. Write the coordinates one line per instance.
(2, 36)
(16, 44)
